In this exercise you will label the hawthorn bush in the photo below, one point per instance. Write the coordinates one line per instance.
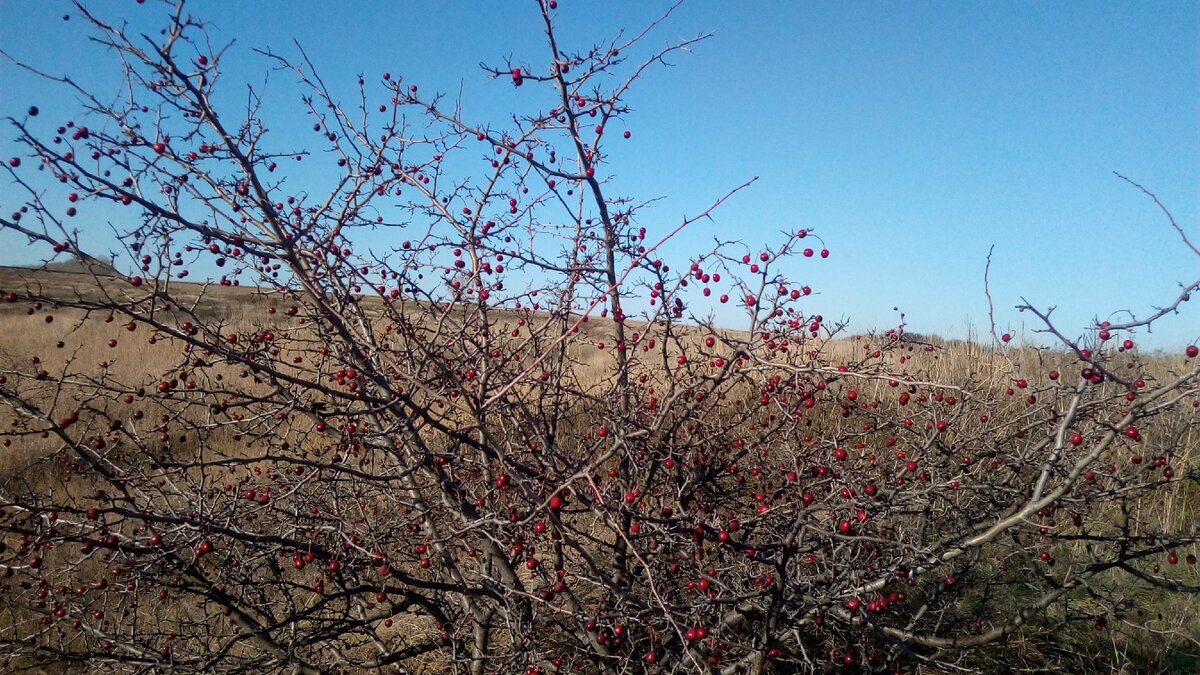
(416, 425)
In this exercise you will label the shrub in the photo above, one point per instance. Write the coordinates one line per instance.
(458, 446)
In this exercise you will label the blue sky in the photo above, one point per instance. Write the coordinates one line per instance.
(910, 136)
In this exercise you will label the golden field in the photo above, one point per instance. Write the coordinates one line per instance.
(76, 348)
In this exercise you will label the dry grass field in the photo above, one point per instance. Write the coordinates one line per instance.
(80, 348)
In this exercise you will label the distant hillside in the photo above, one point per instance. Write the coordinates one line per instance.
(72, 279)
(80, 264)
(75, 264)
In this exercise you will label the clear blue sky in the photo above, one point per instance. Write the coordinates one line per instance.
(911, 136)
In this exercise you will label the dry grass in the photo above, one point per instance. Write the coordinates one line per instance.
(75, 344)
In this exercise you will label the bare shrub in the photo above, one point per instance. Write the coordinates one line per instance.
(417, 425)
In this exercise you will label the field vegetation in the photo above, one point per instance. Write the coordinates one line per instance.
(465, 451)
